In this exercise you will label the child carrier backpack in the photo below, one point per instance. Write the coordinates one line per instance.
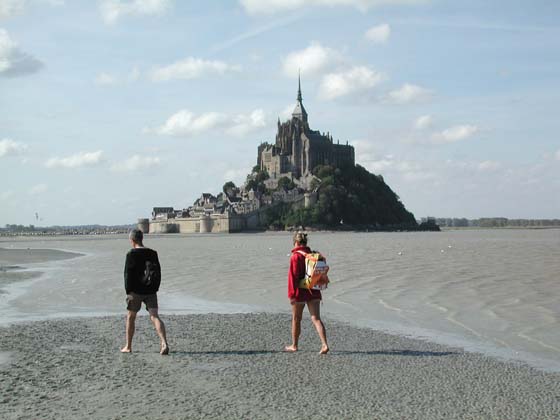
(316, 270)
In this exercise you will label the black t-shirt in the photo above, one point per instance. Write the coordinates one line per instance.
(134, 270)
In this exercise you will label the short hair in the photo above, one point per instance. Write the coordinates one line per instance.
(136, 236)
(300, 238)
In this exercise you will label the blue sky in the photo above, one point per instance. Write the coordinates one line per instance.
(108, 108)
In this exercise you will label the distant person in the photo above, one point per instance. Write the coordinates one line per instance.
(142, 277)
(299, 297)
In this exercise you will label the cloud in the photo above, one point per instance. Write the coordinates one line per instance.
(378, 34)
(423, 122)
(489, 166)
(8, 147)
(255, 7)
(10, 8)
(13, 61)
(244, 124)
(78, 160)
(454, 134)
(38, 189)
(113, 10)
(7, 195)
(311, 60)
(408, 93)
(357, 79)
(236, 175)
(191, 68)
(184, 123)
(105, 79)
(137, 163)
(557, 155)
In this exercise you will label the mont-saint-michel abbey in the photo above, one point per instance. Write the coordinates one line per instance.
(297, 150)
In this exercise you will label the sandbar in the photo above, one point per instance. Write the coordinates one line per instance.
(233, 366)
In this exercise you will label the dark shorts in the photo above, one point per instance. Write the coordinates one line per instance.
(134, 301)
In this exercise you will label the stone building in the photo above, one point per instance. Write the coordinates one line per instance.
(298, 149)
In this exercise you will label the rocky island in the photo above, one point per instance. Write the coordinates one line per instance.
(304, 179)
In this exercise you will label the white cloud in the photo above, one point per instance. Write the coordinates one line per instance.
(557, 155)
(13, 61)
(244, 124)
(38, 189)
(134, 74)
(184, 123)
(408, 93)
(78, 160)
(454, 134)
(489, 166)
(423, 122)
(356, 79)
(255, 7)
(7, 195)
(191, 68)
(105, 79)
(379, 34)
(286, 112)
(137, 163)
(10, 8)
(311, 60)
(237, 176)
(8, 147)
(113, 10)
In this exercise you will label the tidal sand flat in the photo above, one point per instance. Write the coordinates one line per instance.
(232, 366)
(11, 270)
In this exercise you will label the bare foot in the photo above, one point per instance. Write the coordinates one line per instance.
(324, 350)
(126, 349)
(164, 349)
(290, 349)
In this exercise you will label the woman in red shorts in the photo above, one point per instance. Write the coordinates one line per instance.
(300, 297)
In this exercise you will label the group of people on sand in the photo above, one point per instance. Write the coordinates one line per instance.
(142, 276)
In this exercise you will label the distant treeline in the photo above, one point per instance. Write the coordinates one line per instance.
(496, 222)
(32, 230)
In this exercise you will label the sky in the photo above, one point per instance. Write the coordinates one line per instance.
(109, 108)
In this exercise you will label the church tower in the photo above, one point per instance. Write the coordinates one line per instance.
(299, 111)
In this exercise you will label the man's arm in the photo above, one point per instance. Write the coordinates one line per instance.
(127, 276)
(158, 282)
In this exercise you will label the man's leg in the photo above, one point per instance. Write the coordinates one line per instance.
(160, 329)
(297, 313)
(314, 307)
(130, 325)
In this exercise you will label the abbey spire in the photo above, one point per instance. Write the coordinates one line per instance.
(299, 111)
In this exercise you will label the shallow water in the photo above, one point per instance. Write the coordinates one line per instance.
(494, 291)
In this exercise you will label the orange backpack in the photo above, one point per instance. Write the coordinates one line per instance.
(316, 270)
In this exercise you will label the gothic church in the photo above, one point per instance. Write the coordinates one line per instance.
(298, 149)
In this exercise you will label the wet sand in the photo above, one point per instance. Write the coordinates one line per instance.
(232, 366)
(11, 270)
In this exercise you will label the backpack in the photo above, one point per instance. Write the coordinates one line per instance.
(152, 274)
(316, 270)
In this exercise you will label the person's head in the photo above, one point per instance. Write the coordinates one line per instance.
(300, 238)
(136, 236)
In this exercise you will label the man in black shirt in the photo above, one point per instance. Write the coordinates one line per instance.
(142, 276)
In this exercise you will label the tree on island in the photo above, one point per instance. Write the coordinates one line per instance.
(346, 196)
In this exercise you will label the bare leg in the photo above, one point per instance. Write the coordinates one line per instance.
(314, 307)
(130, 326)
(160, 329)
(297, 313)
